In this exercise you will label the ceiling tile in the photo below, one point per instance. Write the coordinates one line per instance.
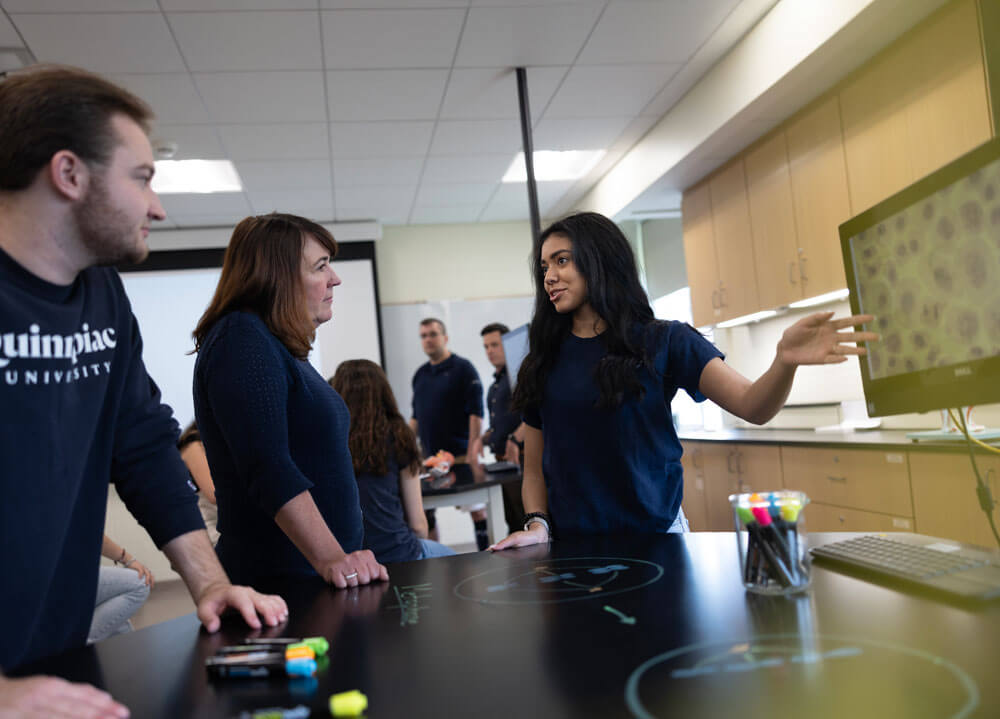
(505, 213)
(112, 42)
(8, 35)
(45, 6)
(444, 215)
(491, 93)
(316, 204)
(193, 141)
(350, 172)
(218, 203)
(569, 133)
(285, 175)
(255, 97)
(354, 39)
(459, 137)
(248, 40)
(380, 139)
(173, 96)
(368, 4)
(519, 37)
(449, 195)
(385, 94)
(285, 141)
(174, 5)
(387, 195)
(515, 193)
(466, 168)
(608, 90)
(657, 31)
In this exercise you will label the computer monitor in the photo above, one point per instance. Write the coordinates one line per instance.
(515, 349)
(926, 263)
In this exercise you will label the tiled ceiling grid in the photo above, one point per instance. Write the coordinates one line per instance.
(403, 111)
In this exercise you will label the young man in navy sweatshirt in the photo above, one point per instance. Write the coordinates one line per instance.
(79, 409)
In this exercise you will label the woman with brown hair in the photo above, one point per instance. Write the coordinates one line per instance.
(274, 431)
(386, 465)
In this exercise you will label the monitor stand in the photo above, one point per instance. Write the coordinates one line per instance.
(950, 433)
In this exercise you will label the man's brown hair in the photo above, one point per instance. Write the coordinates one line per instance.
(262, 274)
(48, 108)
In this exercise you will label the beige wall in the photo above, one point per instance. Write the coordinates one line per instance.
(417, 263)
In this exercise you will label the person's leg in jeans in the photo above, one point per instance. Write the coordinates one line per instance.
(434, 549)
(120, 593)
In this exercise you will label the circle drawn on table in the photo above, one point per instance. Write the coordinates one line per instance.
(791, 675)
(551, 581)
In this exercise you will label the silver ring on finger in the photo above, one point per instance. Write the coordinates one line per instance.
(352, 575)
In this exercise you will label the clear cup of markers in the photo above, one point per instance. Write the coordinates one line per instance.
(771, 537)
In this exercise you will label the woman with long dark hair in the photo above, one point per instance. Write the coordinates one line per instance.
(386, 465)
(275, 433)
(601, 452)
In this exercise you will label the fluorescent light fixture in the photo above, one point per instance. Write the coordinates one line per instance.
(820, 299)
(551, 165)
(197, 176)
(747, 319)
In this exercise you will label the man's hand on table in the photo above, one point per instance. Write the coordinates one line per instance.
(53, 698)
(248, 602)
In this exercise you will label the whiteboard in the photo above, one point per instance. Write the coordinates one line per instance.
(463, 319)
(169, 303)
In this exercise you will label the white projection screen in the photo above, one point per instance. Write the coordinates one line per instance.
(170, 291)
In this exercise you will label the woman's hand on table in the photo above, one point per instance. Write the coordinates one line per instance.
(355, 569)
(537, 534)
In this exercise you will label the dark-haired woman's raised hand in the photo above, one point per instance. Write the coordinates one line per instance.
(817, 339)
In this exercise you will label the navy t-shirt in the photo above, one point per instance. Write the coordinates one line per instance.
(503, 421)
(617, 470)
(272, 428)
(386, 532)
(444, 395)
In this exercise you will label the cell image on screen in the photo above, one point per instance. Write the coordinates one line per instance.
(931, 276)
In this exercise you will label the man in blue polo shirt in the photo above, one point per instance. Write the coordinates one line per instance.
(448, 411)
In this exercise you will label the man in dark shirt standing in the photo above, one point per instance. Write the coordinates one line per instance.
(504, 435)
(448, 412)
(80, 410)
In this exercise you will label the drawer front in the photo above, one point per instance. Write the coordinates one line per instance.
(828, 518)
(944, 497)
(871, 480)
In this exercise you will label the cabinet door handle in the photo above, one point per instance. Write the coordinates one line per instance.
(791, 273)
(715, 299)
(832, 478)
(739, 463)
(729, 463)
(802, 270)
(722, 297)
(696, 459)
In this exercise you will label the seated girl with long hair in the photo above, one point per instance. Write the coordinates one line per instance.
(386, 466)
(601, 453)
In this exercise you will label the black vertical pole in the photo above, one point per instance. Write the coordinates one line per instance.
(529, 152)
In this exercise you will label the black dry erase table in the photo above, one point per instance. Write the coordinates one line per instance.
(604, 627)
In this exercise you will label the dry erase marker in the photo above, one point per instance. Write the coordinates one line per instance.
(318, 644)
(299, 712)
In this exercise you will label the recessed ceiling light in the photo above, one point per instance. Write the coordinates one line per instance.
(553, 165)
(195, 176)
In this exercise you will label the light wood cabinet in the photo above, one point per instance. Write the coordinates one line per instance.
(870, 480)
(944, 497)
(694, 504)
(772, 223)
(734, 469)
(829, 518)
(733, 241)
(819, 195)
(699, 255)
(920, 104)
